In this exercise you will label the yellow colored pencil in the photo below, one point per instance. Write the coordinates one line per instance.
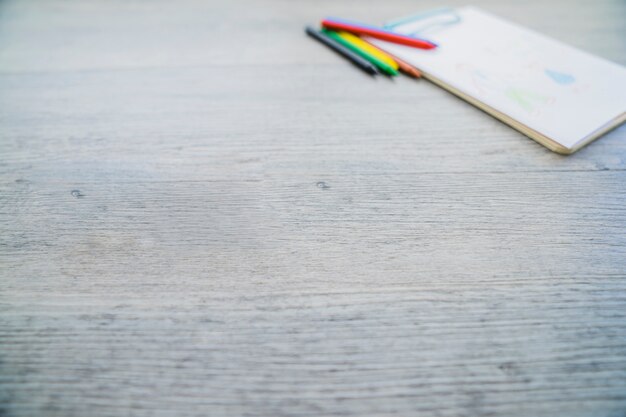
(360, 43)
(381, 65)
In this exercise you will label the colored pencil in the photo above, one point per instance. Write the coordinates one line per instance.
(360, 43)
(404, 66)
(383, 66)
(375, 32)
(353, 57)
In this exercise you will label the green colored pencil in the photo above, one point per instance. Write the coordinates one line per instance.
(386, 68)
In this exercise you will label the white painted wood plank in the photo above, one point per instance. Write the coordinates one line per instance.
(187, 230)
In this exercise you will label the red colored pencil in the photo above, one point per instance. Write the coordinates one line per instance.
(374, 32)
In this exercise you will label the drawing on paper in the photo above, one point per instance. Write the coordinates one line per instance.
(560, 77)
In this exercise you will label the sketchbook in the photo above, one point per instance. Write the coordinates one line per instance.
(557, 95)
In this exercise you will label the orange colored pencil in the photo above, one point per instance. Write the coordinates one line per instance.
(403, 66)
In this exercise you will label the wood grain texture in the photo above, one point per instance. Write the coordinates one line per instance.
(189, 229)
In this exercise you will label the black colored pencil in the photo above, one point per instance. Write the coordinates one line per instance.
(342, 50)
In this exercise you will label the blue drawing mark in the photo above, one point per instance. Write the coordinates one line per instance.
(560, 77)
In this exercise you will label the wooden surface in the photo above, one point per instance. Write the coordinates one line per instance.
(205, 213)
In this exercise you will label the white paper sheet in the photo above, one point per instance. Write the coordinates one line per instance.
(559, 91)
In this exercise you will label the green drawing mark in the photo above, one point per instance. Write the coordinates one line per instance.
(526, 99)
